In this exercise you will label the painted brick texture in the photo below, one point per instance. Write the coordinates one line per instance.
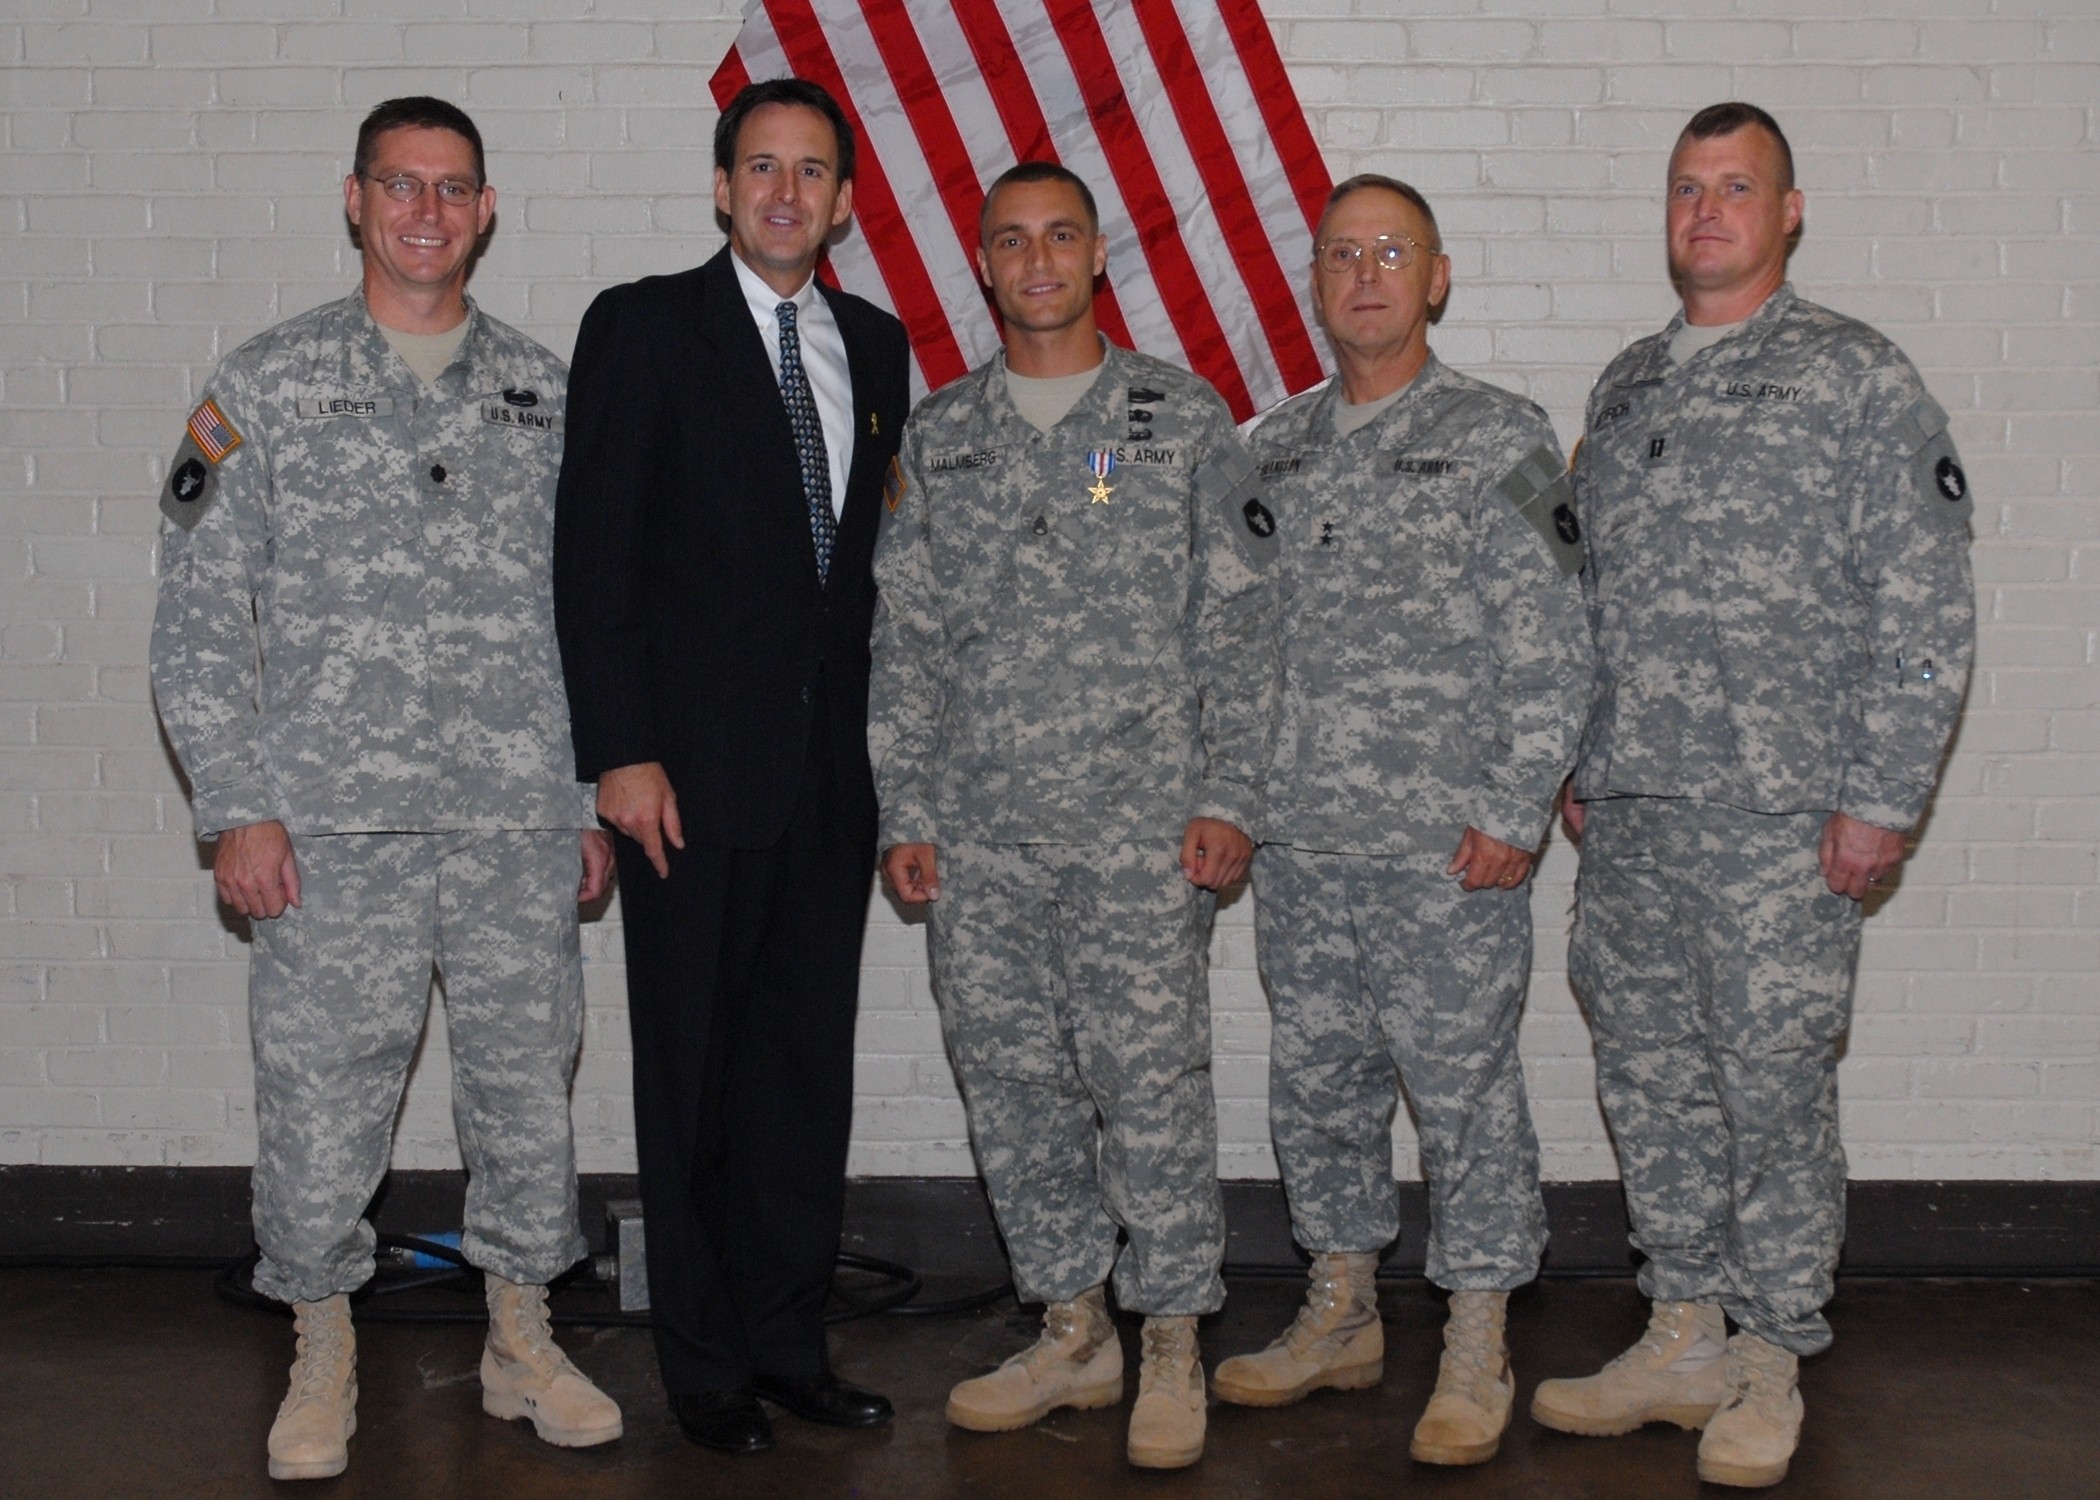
(170, 186)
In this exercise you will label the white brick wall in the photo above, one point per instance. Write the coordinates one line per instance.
(170, 187)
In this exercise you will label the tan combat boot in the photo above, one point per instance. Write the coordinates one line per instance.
(311, 1436)
(1336, 1341)
(525, 1374)
(1077, 1362)
(1469, 1410)
(1166, 1424)
(1674, 1374)
(1751, 1438)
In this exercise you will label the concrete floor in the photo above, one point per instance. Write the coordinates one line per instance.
(143, 1383)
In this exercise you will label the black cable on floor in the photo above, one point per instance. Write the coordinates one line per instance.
(235, 1283)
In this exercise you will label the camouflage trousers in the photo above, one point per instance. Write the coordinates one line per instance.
(1381, 973)
(1716, 968)
(338, 988)
(1073, 982)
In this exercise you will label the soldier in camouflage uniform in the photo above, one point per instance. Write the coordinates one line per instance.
(1778, 581)
(1436, 665)
(1074, 669)
(363, 506)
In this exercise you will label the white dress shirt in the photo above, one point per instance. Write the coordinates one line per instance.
(823, 361)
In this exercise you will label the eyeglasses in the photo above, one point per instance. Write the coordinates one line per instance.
(1389, 252)
(453, 192)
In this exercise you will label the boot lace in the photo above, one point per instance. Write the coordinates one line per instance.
(1069, 1333)
(1472, 1361)
(322, 1352)
(1169, 1354)
(1757, 1374)
(528, 1335)
(1329, 1303)
(1666, 1338)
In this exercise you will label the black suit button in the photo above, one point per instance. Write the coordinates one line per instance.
(437, 472)
(807, 693)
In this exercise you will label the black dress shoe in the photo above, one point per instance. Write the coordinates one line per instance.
(726, 1421)
(824, 1398)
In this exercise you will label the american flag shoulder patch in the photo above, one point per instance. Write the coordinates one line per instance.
(212, 432)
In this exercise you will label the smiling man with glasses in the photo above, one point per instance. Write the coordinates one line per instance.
(1435, 668)
(355, 660)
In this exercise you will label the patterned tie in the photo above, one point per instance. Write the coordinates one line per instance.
(809, 439)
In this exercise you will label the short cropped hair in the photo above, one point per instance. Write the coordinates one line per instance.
(1392, 185)
(416, 112)
(1727, 119)
(797, 91)
(1038, 171)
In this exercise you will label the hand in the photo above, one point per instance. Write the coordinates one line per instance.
(597, 865)
(254, 870)
(638, 801)
(1483, 861)
(913, 871)
(1214, 854)
(1572, 812)
(1855, 855)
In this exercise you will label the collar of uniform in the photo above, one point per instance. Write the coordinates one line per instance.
(369, 361)
(1743, 344)
(1320, 429)
(1095, 406)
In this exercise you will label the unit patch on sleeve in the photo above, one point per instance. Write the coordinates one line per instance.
(1539, 489)
(1937, 473)
(193, 480)
(1246, 515)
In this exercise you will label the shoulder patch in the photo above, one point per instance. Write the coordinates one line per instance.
(1942, 486)
(1540, 490)
(893, 486)
(211, 432)
(1925, 421)
(193, 482)
(1243, 510)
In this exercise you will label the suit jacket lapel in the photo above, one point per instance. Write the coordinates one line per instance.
(738, 373)
(861, 483)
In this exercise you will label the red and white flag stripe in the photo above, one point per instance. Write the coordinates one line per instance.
(1177, 113)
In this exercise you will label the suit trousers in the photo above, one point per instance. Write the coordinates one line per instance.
(743, 972)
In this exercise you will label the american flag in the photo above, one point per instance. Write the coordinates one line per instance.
(1177, 113)
(212, 432)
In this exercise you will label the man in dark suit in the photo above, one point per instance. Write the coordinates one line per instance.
(729, 429)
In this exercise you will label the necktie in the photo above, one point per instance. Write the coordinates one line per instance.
(809, 439)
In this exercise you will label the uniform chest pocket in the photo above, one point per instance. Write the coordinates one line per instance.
(1124, 559)
(1421, 578)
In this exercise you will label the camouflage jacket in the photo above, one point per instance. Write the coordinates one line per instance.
(1075, 632)
(1778, 575)
(1436, 656)
(356, 623)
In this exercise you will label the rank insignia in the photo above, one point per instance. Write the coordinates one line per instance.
(213, 434)
(1100, 463)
